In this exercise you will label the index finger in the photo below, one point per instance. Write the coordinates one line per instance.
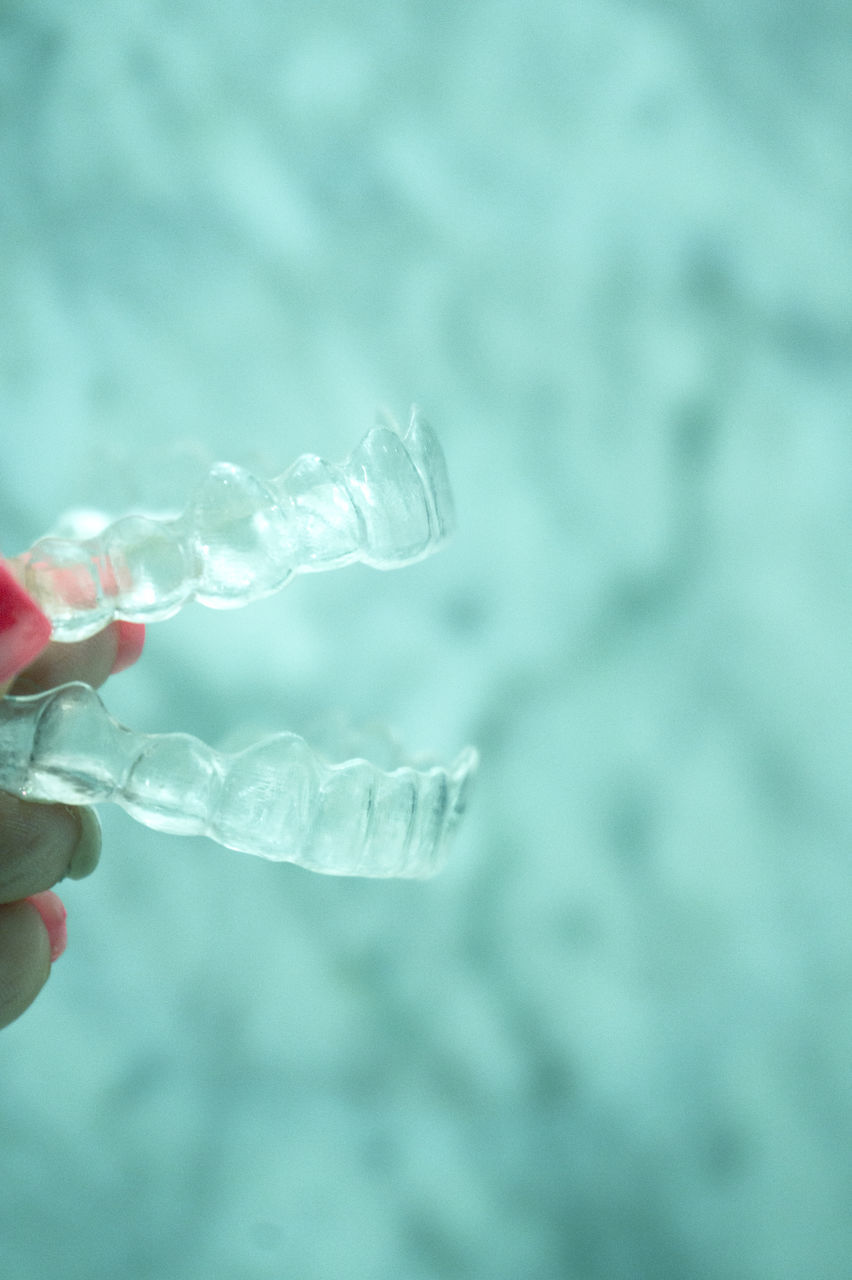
(29, 662)
(24, 629)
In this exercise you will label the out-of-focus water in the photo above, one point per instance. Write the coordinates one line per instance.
(607, 247)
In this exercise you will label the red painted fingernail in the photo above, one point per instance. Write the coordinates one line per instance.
(131, 640)
(24, 629)
(53, 913)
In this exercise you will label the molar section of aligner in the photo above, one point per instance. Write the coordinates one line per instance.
(325, 526)
(63, 577)
(342, 814)
(427, 844)
(267, 798)
(146, 567)
(364, 821)
(442, 799)
(240, 537)
(460, 782)
(395, 808)
(388, 491)
(428, 457)
(173, 784)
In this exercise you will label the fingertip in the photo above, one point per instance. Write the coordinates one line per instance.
(54, 917)
(24, 630)
(87, 851)
(25, 949)
(130, 641)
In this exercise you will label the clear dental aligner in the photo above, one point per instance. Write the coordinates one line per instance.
(277, 799)
(241, 538)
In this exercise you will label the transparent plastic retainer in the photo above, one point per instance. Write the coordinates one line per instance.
(240, 539)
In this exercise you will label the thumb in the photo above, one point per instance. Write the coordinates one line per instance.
(24, 629)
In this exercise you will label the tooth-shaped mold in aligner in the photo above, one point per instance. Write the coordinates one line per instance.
(241, 538)
(278, 798)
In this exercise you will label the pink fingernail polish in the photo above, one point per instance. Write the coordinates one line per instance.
(52, 911)
(131, 640)
(24, 629)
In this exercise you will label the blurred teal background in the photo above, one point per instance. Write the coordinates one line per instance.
(607, 247)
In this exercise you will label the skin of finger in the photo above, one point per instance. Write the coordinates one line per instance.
(24, 959)
(91, 660)
(37, 842)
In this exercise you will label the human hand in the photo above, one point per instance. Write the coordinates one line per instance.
(42, 844)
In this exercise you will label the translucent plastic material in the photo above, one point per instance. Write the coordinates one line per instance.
(240, 538)
(278, 798)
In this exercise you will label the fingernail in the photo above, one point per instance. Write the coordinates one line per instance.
(24, 629)
(87, 850)
(53, 914)
(131, 639)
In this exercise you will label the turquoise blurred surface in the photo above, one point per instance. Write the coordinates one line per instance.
(607, 248)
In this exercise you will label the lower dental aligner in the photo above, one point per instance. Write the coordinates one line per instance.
(241, 538)
(278, 798)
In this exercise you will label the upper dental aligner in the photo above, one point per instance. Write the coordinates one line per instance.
(278, 798)
(388, 504)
